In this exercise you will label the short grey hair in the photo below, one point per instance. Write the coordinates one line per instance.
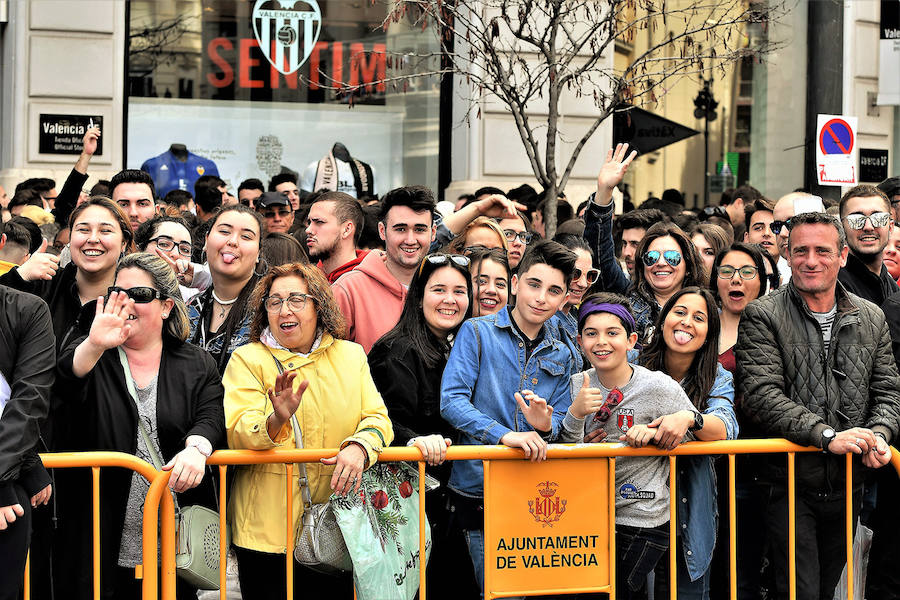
(817, 218)
(163, 278)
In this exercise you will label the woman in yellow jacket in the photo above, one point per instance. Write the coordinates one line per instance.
(326, 382)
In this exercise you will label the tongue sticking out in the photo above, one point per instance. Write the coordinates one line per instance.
(228, 258)
(683, 337)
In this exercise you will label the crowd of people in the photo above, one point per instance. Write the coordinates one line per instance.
(283, 318)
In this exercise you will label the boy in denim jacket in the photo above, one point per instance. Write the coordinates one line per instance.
(506, 381)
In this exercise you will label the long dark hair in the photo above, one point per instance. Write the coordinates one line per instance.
(694, 272)
(412, 328)
(701, 376)
(755, 255)
(241, 307)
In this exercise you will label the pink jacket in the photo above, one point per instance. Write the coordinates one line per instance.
(370, 298)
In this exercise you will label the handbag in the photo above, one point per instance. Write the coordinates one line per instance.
(320, 544)
(196, 527)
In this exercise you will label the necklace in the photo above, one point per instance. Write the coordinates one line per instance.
(222, 303)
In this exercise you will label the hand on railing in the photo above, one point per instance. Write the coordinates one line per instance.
(531, 442)
(639, 436)
(349, 466)
(670, 429)
(433, 447)
(187, 469)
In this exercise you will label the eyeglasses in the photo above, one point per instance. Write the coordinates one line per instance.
(858, 220)
(673, 257)
(166, 244)
(777, 226)
(745, 272)
(592, 275)
(295, 302)
(443, 259)
(524, 236)
(613, 399)
(140, 295)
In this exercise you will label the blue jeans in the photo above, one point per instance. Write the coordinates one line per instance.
(638, 550)
(475, 540)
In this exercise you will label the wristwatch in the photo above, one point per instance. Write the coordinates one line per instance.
(698, 421)
(827, 438)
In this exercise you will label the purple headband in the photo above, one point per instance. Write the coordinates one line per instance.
(620, 311)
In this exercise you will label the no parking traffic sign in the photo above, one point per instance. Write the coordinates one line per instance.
(836, 150)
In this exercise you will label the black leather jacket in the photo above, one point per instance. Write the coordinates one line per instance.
(796, 390)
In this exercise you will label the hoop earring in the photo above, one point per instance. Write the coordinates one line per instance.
(265, 267)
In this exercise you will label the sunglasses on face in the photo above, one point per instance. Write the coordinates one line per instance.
(777, 226)
(673, 257)
(296, 301)
(858, 220)
(443, 259)
(140, 295)
(524, 236)
(613, 399)
(592, 275)
(746, 272)
(166, 244)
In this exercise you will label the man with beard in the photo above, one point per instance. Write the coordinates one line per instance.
(333, 228)
(866, 216)
(371, 296)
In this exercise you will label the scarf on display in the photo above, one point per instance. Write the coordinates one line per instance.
(327, 175)
(269, 340)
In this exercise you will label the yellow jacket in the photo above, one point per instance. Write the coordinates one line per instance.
(341, 405)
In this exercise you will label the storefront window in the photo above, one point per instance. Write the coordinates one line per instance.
(261, 87)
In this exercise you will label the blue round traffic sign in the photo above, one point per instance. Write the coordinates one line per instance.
(836, 137)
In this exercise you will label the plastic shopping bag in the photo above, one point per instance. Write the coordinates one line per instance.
(380, 524)
(862, 543)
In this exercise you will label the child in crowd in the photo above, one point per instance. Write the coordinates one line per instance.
(617, 401)
(506, 381)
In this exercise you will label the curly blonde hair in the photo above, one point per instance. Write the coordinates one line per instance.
(329, 314)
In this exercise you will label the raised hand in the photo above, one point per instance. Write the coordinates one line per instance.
(184, 270)
(89, 140)
(110, 327)
(285, 401)
(500, 207)
(41, 265)
(536, 410)
(588, 401)
(613, 170)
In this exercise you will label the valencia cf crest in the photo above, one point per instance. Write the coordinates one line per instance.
(547, 507)
(625, 419)
(287, 31)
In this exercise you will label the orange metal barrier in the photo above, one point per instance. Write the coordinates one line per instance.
(157, 498)
(95, 461)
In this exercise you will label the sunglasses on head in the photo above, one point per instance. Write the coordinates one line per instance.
(673, 257)
(140, 295)
(613, 399)
(858, 220)
(592, 275)
(443, 259)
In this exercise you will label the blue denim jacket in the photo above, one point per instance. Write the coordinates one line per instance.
(486, 368)
(696, 484)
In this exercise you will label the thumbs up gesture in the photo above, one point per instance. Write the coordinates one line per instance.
(588, 401)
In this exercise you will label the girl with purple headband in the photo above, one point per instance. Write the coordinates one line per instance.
(617, 401)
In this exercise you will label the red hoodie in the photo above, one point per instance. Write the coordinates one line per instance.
(370, 298)
(344, 268)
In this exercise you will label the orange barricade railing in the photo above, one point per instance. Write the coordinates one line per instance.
(157, 499)
(95, 461)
